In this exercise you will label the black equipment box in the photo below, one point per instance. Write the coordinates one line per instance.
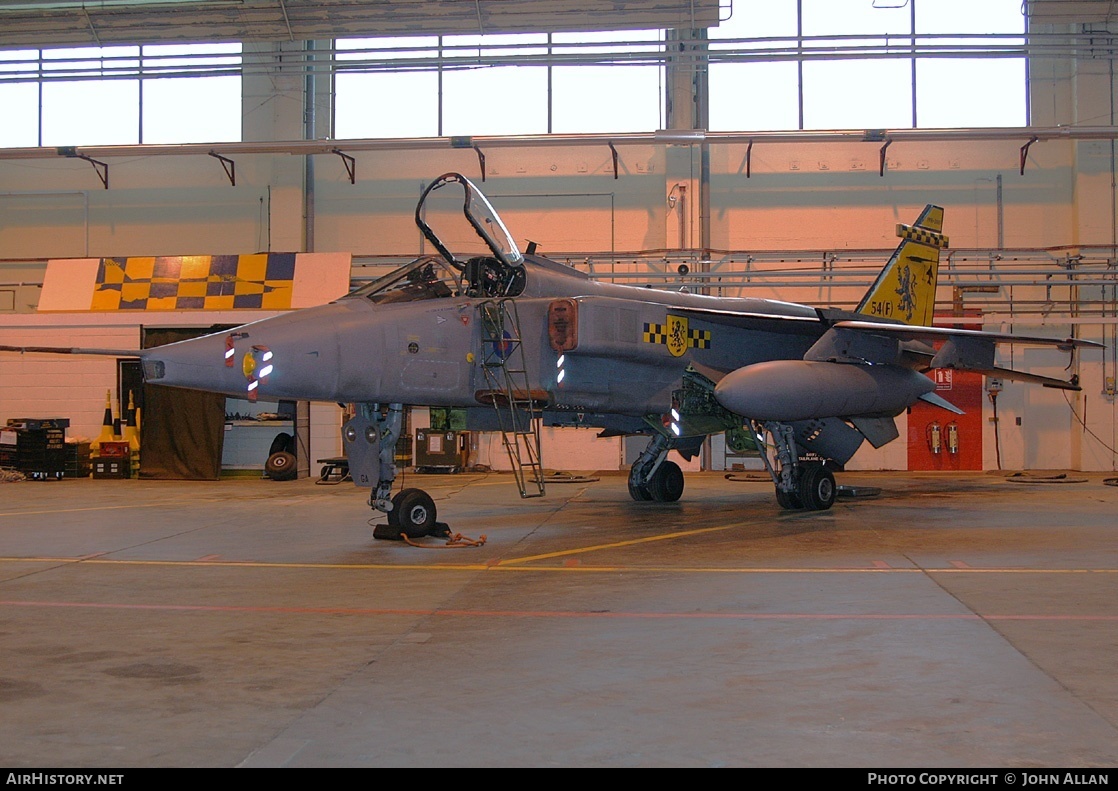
(111, 468)
(39, 453)
(36, 423)
(77, 460)
(444, 451)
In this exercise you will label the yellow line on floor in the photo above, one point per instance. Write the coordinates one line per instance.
(254, 564)
(616, 544)
(152, 504)
(75, 510)
(516, 565)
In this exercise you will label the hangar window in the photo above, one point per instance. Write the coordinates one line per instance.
(842, 64)
(480, 97)
(19, 96)
(954, 92)
(191, 93)
(530, 83)
(386, 87)
(753, 84)
(619, 88)
(122, 95)
(91, 96)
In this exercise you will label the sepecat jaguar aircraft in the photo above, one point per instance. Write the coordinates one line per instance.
(516, 340)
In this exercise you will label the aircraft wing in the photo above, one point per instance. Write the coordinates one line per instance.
(72, 350)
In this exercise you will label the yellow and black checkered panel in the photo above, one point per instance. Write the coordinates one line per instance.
(655, 333)
(922, 236)
(262, 281)
(698, 339)
(660, 333)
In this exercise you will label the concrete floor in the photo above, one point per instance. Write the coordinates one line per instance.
(952, 621)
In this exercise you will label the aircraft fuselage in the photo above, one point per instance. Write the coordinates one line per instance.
(624, 352)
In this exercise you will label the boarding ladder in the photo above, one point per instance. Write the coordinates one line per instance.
(506, 377)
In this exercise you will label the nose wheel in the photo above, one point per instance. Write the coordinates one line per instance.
(413, 515)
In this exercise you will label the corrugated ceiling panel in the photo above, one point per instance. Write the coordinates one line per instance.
(1064, 12)
(25, 24)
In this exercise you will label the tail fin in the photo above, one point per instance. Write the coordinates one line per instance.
(905, 291)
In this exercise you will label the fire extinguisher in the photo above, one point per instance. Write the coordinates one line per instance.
(952, 437)
(935, 439)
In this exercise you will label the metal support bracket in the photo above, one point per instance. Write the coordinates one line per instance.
(101, 167)
(481, 161)
(350, 164)
(228, 165)
(614, 152)
(881, 160)
(1025, 152)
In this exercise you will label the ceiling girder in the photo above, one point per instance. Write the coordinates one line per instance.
(26, 24)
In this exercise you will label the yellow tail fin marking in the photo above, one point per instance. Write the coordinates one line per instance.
(905, 291)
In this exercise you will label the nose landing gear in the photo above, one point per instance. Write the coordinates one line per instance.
(369, 439)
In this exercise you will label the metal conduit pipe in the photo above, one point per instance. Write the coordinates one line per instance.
(663, 137)
(651, 52)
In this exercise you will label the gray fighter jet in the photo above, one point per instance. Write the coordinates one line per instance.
(517, 340)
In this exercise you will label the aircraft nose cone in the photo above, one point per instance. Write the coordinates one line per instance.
(292, 356)
(198, 363)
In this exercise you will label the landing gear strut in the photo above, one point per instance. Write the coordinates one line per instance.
(653, 477)
(800, 484)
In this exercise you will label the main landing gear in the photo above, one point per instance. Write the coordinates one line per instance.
(653, 477)
(800, 484)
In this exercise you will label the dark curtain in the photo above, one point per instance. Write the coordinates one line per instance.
(182, 431)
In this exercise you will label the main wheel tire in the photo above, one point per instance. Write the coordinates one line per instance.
(280, 466)
(789, 501)
(817, 488)
(639, 493)
(413, 512)
(283, 442)
(666, 485)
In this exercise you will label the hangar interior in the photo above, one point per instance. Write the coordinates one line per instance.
(716, 146)
(733, 147)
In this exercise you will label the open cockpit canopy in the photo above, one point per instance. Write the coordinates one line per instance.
(496, 272)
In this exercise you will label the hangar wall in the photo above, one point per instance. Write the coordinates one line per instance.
(800, 196)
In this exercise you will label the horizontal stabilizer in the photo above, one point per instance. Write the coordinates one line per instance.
(1036, 379)
(940, 401)
(72, 350)
(933, 334)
